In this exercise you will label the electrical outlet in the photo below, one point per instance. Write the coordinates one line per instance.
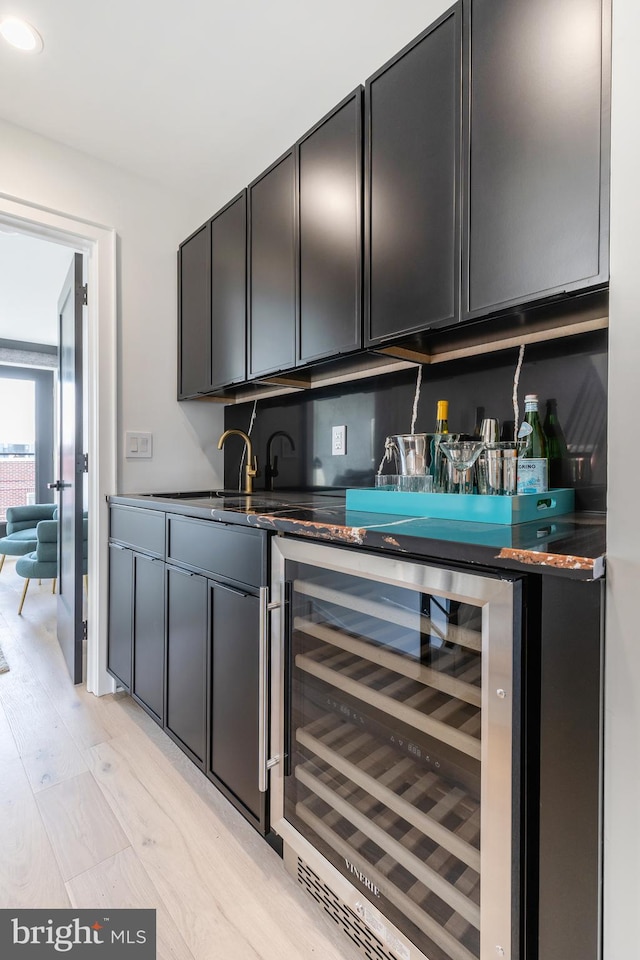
(338, 441)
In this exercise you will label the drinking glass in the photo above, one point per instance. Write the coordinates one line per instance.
(497, 468)
(462, 455)
(387, 481)
(416, 484)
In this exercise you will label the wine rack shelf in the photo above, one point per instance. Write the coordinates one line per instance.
(361, 598)
(446, 718)
(411, 832)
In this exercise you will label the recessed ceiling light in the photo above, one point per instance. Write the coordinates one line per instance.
(21, 34)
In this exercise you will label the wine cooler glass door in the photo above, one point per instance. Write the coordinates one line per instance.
(398, 734)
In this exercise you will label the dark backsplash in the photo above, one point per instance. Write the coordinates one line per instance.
(572, 370)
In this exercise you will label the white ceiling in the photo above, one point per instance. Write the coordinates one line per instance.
(199, 95)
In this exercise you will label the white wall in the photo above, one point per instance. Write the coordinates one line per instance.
(150, 222)
(622, 698)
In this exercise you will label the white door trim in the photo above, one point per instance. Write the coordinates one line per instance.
(99, 244)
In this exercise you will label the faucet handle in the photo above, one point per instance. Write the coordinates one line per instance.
(252, 469)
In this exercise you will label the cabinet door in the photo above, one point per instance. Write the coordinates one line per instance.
(148, 634)
(120, 613)
(229, 293)
(234, 753)
(194, 314)
(186, 664)
(272, 269)
(536, 175)
(330, 233)
(412, 110)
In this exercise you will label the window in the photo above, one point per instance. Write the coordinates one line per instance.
(26, 436)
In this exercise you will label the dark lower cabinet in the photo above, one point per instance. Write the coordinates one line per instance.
(120, 613)
(187, 646)
(568, 885)
(234, 751)
(330, 233)
(194, 314)
(272, 269)
(186, 660)
(536, 150)
(412, 124)
(148, 634)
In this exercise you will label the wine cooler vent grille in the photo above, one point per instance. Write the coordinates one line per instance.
(352, 925)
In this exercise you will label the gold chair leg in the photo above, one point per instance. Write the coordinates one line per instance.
(53, 588)
(2, 559)
(24, 593)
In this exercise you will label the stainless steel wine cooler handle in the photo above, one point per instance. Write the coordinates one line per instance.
(264, 761)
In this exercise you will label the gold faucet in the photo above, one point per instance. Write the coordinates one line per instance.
(251, 468)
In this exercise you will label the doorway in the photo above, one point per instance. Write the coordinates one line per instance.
(41, 298)
(98, 244)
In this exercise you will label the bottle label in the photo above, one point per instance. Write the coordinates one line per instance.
(532, 475)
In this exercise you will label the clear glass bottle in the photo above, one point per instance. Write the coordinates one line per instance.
(438, 468)
(533, 465)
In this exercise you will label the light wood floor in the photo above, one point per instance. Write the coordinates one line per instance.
(100, 808)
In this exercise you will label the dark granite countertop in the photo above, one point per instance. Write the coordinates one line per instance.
(569, 546)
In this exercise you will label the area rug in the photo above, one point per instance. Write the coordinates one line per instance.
(4, 666)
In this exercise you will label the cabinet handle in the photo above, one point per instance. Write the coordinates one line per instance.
(264, 763)
(237, 593)
(287, 654)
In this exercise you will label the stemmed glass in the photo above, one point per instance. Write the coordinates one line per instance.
(462, 454)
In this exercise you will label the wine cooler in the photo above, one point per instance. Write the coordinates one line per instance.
(394, 712)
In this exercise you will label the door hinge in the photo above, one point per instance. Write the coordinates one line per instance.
(84, 630)
(84, 295)
(85, 463)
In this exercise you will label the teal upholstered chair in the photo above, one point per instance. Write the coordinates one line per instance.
(21, 529)
(42, 563)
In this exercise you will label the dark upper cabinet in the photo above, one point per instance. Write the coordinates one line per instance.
(330, 233)
(412, 123)
(272, 269)
(536, 149)
(229, 293)
(485, 161)
(194, 314)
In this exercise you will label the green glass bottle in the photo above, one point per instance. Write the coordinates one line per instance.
(557, 452)
(533, 465)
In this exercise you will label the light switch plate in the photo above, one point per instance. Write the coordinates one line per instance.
(138, 445)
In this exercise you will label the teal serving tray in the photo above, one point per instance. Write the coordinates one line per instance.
(463, 506)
